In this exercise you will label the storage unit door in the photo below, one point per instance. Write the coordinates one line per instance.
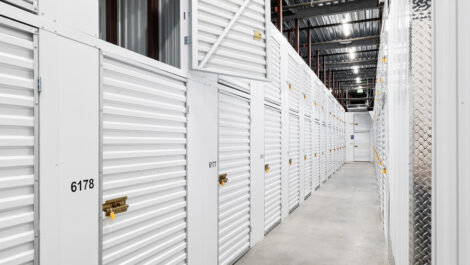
(234, 165)
(272, 175)
(144, 159)
(307, 157)
(18, 144)
(307, 92)
(324, 159)
(361, 146)
(316, 155)
(294, 82)
(294, 159)
(361, 122)
(230, 37)
(272, 89)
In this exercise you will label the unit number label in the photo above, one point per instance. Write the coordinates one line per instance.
(81, 185)
(212, 164)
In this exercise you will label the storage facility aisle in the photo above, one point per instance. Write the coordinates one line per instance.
(339, 224)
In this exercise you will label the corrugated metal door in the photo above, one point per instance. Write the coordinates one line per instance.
(316, 155)
(307, 157)
(18, 143)
(25, 4)
(272, 175)
(234, 164)
(144, 158)
(293, 82)
(307, 92)
(272, 90)
(323, 160)
(229, 37)
(294, 161)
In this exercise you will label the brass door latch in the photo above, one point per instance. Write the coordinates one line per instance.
(256, 34)
(356, 146)
(266, 168)
(114, 206)
(223, 179)
(290, 161)
(305, 157)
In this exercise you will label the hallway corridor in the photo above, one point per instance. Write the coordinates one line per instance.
(339, 224)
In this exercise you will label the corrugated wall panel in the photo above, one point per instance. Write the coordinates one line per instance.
(272, 90)
(294, 161)
(307, 157)
(294, 81)
(25, 4)
(18, 148)
(234, 160)
(227, 41)
(316, 155)
(272, 176)
(323, 157)
(143, 158)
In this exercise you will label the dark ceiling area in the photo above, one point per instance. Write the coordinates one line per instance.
(339, 40)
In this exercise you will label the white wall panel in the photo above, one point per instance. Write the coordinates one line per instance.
(272, 178)
(230, 37)
(144, 158)
(234, 160)
(26, 4)
(18, 144)
(294, 161)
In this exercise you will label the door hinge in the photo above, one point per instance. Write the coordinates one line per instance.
(187, 40)
(39, 84)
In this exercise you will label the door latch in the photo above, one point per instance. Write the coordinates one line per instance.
(266, 168)
(223, 179)
(114, 206)
(290, 161)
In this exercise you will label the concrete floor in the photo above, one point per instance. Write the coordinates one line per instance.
(339, 224)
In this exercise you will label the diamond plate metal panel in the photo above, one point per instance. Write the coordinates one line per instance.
(421, 155)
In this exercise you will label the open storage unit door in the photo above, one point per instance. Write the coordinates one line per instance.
(272, 167)
(230, 37)
(307, 157)
(234, 176)
(18, 143)
(143, 156)
(294, 161)
(316, 155)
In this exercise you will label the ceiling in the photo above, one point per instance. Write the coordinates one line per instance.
(346, 36)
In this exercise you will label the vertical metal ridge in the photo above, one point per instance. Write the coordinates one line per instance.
(421, 119)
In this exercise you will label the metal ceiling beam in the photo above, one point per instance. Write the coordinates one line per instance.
(345, 43)
(338, 24)
(310, 10)
(345, 53)
(355, 63)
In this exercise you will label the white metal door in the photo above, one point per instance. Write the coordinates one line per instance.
(18, 143)
(316, 155)
(307, 157)
(361, 146)
(294, 161)
(361, 122)
(323, 160)
(272, 176)
(229, 37)
(307, 92)
(234, 192)
(272, 89)
(144, 158)
(293, 82)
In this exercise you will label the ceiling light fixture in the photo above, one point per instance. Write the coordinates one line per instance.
(358, 80)
(346, 28)
(356, 70)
